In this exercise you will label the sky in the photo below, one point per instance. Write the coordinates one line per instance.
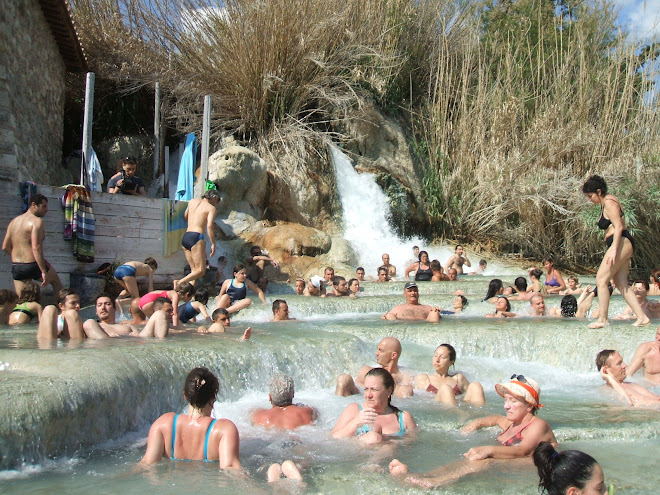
(641, 16)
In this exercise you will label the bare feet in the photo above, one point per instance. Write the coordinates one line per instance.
(642, 322)
(274, 473)
(247, 334)
(599, 324)
(290, 470)
(398, 468)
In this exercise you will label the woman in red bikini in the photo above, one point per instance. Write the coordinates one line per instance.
(521, 433)
(620, 248)
(448, 387)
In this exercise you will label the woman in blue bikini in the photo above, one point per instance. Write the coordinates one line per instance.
(195, 436)
(620, 248)
(376, 418)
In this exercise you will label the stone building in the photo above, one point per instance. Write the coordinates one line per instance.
(38, 46)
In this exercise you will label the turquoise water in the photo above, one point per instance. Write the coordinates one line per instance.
(77, 416)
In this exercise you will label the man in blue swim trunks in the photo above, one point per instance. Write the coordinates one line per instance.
(24, 242)
(200, 215)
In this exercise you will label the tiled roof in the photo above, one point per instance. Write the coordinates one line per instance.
(58, 15)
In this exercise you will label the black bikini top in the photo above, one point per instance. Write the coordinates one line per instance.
(603, 222)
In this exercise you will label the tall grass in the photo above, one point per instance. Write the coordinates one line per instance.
(507, 115)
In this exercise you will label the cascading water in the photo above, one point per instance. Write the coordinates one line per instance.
(365, 213)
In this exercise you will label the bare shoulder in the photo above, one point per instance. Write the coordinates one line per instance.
(225, 426)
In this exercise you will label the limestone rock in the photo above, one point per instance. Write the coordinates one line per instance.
(240, 176)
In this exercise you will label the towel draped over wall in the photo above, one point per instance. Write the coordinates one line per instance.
(79, 222)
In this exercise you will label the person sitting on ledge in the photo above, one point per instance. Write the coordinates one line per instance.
(64, 321)
(233, 294)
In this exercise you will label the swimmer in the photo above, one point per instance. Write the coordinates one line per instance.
(283, 414)
(446, 387)
(184, 292)
(520, 284)
(190, 309)
(233, 294)
(438, 272)
(412, 309)
(521, 433)
(359, 273)
(495, 288)
(457, 260)
(569, 472)
(200, 215)
(647, 356)
(328, 275)
(8, 300)
(502, 309)
(640, 288)
(299, 286)
(458, 305)
(221, 322)
(537, 305)
(281, 310)
(535, 280)
(27, 307)
(255, 265)
(613, 370)
(315, 287)
(126, 275)
(391, 269)
(106, 326)
(376, 418)
(139, 318)
(195, 436)
(339, 287)
(388, 352)
(64, 320)
(353, 287)
(383, 275)
(572, 286)
(483, 264)
(422, 268)
(554, 282)
(452, 274)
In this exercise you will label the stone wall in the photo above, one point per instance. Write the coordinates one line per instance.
(32, 84)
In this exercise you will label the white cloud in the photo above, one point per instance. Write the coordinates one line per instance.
(641, 17)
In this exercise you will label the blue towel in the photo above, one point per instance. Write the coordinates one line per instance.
(94, 172)
(184, 187)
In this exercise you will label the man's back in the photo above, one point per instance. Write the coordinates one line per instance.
(198, 213)
(19, 231)
(285, 418)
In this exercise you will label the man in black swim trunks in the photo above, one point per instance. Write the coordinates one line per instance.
(200, 214)
(24, 242)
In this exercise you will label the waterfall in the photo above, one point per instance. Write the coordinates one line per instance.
(366, 213)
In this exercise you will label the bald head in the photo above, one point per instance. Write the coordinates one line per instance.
(391, 344)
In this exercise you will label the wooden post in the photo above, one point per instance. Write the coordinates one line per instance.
(206, 131)
(156, 129)
(87, 125)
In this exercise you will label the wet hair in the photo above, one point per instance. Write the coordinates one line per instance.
(201, 387)
(211, 194)
(281, 390)
(152, 263)
(202, 295)
(568, 306)
(483, 263)
(655, 275)
(452, 351)
(237, 268)
(520, 283)
(559, 471)
(494, 287)
(383, 269)
(457, 246)
(29, 293)
(436, 266)
(593, 183)
(38, 199)
(549, 259)
(220, 311)
(64, 293)
(337, 279)
(358, 269)
(159, 302)
(277, 303)
(388, 382)
(350, 282)
(508, 304)
(602, 357)
(464, 300)
(420, 255)
(573, 277)
(8, 296)
(643, 282)
(536, 273)
(186, 289)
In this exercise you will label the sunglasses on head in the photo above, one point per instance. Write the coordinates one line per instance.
(520, 378)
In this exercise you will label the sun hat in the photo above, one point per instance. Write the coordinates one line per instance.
(521, 386)
(410, 285)
(316, 281)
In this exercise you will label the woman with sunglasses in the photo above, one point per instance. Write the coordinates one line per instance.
(570, 472)
(125, 181)
(521, 433)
